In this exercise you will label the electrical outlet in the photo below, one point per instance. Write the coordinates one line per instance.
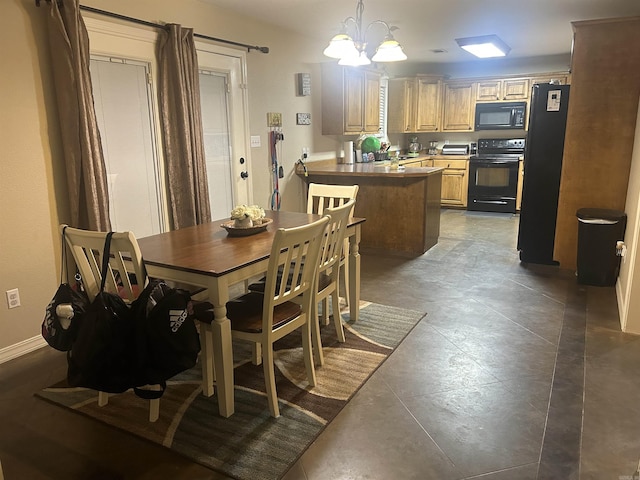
(13, 298)
(305, 152)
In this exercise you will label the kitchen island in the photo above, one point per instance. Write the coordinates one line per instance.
(402, 206)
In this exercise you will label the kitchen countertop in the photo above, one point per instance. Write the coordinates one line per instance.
(371, 169)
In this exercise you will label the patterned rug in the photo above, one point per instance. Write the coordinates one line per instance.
(251, 445)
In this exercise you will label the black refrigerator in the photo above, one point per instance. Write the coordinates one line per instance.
(542, 168)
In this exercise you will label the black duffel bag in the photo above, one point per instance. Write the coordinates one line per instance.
(167, 341)
(102, 354)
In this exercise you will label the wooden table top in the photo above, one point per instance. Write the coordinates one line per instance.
(208, 249)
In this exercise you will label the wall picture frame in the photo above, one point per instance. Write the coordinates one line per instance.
(303, 118)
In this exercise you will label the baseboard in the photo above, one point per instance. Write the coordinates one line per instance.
(21, 348)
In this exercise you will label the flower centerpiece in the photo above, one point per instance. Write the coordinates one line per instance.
(247, 215)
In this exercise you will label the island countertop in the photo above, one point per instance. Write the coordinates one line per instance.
(371, 169)
(402, 206)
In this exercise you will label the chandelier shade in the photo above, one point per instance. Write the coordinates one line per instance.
(349, 46)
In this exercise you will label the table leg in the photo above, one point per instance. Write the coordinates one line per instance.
(223, 353)
(206, 358)
(354, 275)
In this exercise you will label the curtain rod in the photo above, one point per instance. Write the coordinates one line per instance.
(157, 25)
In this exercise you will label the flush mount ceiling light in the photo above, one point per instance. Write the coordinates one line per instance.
(351, 49)
(486, 46)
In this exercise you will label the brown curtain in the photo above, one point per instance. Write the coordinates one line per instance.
(182, 128)
(86, 172)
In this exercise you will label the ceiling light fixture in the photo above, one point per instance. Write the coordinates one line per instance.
(351, 50)
(486, 46)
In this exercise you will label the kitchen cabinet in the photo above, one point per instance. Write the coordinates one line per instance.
(350, 100)
(428, 103)
(402, 207)
(412, 162)
(562, 78)
(455, 180)
(495, 90)
(415, 104)
(371, 101)
(459, 106)
(401, 105)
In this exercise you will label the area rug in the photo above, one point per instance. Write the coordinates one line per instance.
(251, 445)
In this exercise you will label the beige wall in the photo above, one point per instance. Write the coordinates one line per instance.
(628, 290)
(28, 136)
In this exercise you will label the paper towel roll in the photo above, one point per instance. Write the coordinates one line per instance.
(348, 152)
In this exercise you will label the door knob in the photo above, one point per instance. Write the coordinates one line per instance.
(244, 174)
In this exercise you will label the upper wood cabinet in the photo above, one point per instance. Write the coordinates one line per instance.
(561, 78)
(428, 103)
(371, 102)
(458, 109)
(401, 108)
(350, 100)
(496, 90)
(415, 104)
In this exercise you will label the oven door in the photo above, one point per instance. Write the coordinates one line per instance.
(493, 184)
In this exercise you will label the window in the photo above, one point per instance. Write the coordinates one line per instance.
(122, 98)
(384, 90)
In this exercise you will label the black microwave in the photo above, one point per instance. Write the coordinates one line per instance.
(500, 115)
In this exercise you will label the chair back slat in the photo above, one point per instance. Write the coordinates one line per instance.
(125, 258)
(292, 267)
(331, 251)
(323, 196)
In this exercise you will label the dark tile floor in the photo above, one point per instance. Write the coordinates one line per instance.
(516, 373)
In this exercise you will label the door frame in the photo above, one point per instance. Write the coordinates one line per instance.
(108, 38)
(233, 63)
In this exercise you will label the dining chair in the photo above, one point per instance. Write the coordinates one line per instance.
(287, 305)
(126, 275)
(328, 277)
(321, 196)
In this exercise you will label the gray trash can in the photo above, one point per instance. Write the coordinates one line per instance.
(599, 230)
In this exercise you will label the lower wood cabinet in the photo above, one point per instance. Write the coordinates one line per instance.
(455, 180)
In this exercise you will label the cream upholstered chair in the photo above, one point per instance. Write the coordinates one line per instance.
(126, 259)
(328, 279)
(286, 305)
(321, 196)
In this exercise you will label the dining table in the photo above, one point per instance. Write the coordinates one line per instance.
(209, 257)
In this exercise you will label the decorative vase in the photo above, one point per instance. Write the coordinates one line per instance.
(243, 222)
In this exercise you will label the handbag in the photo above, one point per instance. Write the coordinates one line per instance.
(65, 311)
(102, 354)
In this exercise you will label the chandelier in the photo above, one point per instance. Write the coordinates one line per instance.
(351, 50)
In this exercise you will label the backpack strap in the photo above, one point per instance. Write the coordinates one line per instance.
(151, 394)
(106, 252)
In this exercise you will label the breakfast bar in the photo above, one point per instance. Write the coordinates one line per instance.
(402, 205)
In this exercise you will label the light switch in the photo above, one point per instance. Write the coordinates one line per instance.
(255, 141)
